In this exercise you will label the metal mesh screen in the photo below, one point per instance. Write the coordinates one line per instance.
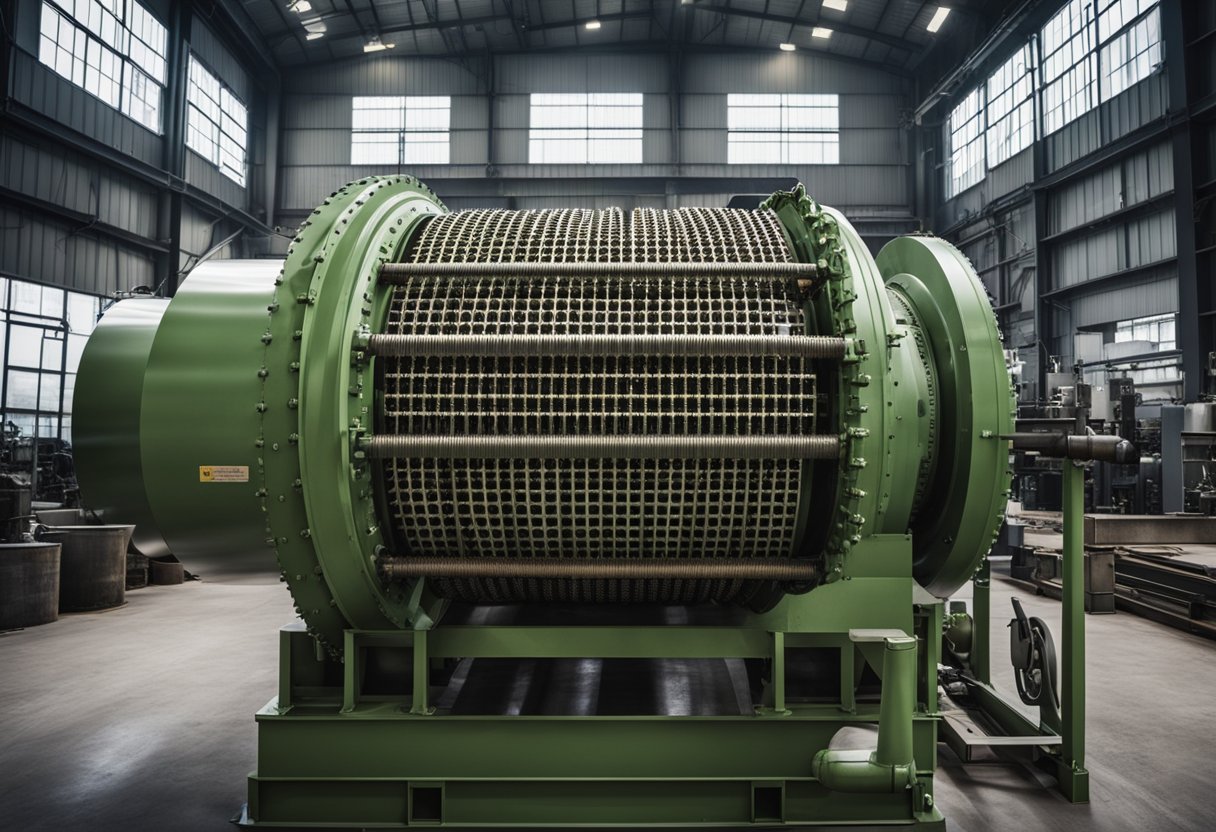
(588, 508)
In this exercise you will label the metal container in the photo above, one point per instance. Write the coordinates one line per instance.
(61, 516)
(166, 573)
(29, 584)
(94, 567)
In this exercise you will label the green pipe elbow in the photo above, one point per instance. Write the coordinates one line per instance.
(847, 770)
(890, 767)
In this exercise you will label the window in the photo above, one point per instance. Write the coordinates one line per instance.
(766, 129)
(1156, 329)
(216, 123)
(398, 130)
(1131, 45)
(43, 330)
(1010, 112)
(966, 128)
(1068, 68)
(113, 50)
(585, 128)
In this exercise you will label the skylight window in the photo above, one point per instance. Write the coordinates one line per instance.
(779, 129)
(939, 18)
(585, 128)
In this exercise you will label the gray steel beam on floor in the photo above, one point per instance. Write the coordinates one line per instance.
(1148, 529)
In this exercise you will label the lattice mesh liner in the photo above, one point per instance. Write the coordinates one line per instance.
(597, 508)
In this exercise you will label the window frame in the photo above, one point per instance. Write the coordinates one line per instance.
(601, 125)
(972, 151)
(102, 59)
(213, 131)
(784, 123)
(401, 138)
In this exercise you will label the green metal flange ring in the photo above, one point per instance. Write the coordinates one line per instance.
(965, 500)
(317, 402)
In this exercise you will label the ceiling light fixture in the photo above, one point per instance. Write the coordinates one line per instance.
(593, 25)
(314, 36)
(821, 32)
(939, 17)
(786, 47)
(300, 6)
(376, 45)
(836, 5)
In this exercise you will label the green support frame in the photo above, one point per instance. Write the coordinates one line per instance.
(331, 754)
(1062, 753)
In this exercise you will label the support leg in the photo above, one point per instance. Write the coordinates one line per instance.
(1074, 779)
(981, 615)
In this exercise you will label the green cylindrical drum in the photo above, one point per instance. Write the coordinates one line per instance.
(672, 407)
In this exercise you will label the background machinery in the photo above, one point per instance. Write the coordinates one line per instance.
(589, 517)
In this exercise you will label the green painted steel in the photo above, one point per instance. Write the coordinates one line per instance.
(1074, 779)
(253, 401)
(199, 420)
(106, 419)
(970, 486)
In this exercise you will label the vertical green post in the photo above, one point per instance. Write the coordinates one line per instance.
(350, 674)
(981, 614)
(422, 666)
(1074, 781)
(898, 702)
(779, 673)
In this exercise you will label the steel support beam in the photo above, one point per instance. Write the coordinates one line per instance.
(1194, 295)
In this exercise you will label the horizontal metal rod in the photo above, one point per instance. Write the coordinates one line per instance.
(799, 346)
(759, 569)
(1101, 447)
(612, 446)
(398, 273)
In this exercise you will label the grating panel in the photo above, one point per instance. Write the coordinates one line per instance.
(588, 508)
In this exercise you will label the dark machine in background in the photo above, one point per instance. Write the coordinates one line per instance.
(1133, 488)
(45, 462)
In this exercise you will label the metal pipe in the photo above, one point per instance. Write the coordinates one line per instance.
(762, 569)
(602, 447)
(399, 273)
(800, 346)
(1101, 447)
(889, 768)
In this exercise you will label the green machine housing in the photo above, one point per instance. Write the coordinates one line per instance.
(692, 438)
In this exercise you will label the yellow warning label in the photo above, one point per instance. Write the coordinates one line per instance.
(223, 473)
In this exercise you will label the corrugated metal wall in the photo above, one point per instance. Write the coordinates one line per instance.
(681, 166)
(83, 187)
(1106, 243)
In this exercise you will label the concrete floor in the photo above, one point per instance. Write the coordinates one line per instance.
(141, 718)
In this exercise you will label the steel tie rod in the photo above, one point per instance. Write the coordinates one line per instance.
(433, 346)
(615, 446)
(772, 569)
(400, 273)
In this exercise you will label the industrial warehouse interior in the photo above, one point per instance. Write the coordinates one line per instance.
(607, 414)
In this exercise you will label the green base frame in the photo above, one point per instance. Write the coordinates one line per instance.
(331, 755)
(1062, 753)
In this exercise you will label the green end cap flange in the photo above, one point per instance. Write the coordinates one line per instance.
(106, 416)
(964, 503)
(318, 492)
(852, 303)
